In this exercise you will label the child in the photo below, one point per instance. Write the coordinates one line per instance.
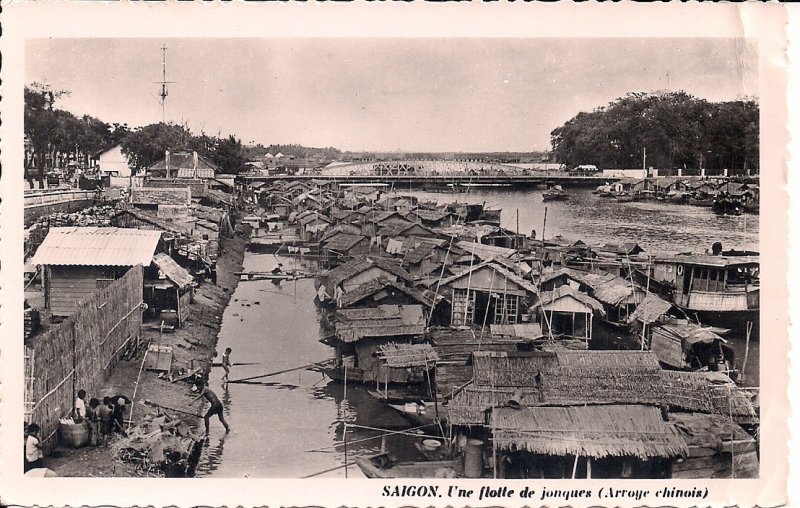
(80, 406)
(226, 363)
(216, 406)
(34, 458)
(104, 414)
(94, 420)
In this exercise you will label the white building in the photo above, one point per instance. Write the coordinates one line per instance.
(115, 164)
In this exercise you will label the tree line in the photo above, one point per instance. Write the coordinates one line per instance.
(674, 129)
(57, 136)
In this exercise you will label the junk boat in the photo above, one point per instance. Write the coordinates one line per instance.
(555, 193)
(719, 289)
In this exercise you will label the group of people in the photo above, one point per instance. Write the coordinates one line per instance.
(104, 417)
(323, 295)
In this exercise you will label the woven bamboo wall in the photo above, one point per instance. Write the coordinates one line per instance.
(81, 351)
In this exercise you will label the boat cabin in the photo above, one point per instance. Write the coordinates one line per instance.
(711, 283)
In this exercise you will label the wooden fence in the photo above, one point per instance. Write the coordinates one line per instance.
(80, 352)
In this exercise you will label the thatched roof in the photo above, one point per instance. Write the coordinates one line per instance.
(384, 321)
(571, 386)
(407, 355)
(609, 288)
(343, 242)
(533, 368)
(689, 333)
(708, 431)
(650, 309)
(590, 431)
(419, 253)
(369, 288)
(355, 266)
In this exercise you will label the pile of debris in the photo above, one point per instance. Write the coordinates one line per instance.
(99, 216)
(160, 445)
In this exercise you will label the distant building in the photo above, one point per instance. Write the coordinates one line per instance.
(113, 162)
(184, 164)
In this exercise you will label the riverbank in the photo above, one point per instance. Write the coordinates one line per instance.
(192, 344)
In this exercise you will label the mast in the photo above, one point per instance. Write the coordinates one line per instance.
(164, 93)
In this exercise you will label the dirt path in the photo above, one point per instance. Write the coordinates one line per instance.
(192, 344)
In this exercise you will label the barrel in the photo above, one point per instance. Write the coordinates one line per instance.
(473, 459)
(169, 317)
(75, 435)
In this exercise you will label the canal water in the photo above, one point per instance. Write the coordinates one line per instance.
(657, 226)
(290, 425)
(287, 425)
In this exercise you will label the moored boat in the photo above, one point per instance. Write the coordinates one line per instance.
(383, 466)
(556, 193)
(721, 290)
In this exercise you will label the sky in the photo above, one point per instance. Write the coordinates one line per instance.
(388, 94)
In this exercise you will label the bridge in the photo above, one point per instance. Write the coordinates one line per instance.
(439, 173)
(43, 202)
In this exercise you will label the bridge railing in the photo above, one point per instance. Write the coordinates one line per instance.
(59, 196)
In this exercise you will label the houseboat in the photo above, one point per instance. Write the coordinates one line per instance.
(719, 290)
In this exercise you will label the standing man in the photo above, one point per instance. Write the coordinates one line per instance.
(216, 406)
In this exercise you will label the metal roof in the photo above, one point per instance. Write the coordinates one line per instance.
(95, 246)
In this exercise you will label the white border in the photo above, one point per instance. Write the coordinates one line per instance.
(764, 23)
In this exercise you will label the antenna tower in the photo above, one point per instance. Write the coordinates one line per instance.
(164, 84)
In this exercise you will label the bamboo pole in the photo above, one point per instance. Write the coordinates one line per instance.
(746, 347)
(136, 387)
(315, 364)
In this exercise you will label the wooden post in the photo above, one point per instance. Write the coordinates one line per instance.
(746, 347)
(574, 466)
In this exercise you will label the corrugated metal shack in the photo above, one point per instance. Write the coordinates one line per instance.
(78, 261)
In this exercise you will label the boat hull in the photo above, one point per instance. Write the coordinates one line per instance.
(371, 467)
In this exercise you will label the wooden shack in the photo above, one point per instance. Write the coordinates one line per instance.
(361, 332)
(77, 261)
(565, 311)
(169, 288)
(488, 293)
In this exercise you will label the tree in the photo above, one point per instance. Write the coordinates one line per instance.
(147, 145)
(229, 155)
(676, 129)
(42, 123)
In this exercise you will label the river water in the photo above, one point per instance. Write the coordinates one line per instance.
(291, 424)
(655, 225)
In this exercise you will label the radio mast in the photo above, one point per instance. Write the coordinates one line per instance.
(164, 83)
